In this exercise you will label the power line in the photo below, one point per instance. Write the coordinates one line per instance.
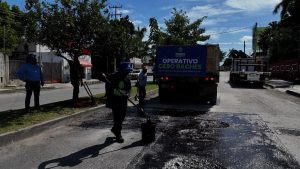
(236, 30)
(115, 12)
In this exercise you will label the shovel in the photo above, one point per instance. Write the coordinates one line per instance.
(148, 127)
(87, 89)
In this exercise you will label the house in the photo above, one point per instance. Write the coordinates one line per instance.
(55, 69)
(260, 56)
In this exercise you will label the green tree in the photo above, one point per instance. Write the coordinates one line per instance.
(288, 31)
(118, 40)
(11, 27)
(233, 53)
(155, 37)
(279, 41)
(222, 55)
(179, 30)
(290, 13)
(65, 26)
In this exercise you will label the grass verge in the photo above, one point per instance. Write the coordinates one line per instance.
(17, 119)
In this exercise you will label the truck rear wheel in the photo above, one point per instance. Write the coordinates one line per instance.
(162, 94)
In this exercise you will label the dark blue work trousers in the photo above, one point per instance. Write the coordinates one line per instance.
(35, 87)
(119, 109)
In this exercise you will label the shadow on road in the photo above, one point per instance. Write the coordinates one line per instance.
(245, 85)
(77, 157)
(89, 152)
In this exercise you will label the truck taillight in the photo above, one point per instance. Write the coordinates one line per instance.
(209, 78)
(165, 78)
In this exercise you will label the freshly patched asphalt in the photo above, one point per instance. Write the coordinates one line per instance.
(214, 141)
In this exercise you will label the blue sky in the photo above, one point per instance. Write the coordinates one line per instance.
(229, 22)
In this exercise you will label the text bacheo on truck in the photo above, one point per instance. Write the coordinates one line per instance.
(188, 72)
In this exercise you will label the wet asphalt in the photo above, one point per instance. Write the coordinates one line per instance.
(214, 141)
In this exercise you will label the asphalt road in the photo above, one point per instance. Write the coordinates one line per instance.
(249, 128)
(16, 100)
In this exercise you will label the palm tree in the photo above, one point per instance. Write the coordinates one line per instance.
(284, 5)
(290, 11)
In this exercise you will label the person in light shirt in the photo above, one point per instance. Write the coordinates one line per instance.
(142, 81)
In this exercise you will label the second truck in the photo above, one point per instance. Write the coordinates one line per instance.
(188, 72)
(248, 71)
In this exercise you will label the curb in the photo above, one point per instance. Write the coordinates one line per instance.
(293, 93)
(23, 133)
(11, 137)
(42, 88)
(277, 86)
(23, 89)
(271, 86)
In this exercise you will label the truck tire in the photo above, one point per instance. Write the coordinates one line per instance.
(162, 94)
(212, 97)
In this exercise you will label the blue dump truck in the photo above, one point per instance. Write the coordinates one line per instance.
(188, 72)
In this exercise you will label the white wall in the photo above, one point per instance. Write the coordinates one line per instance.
(4, 70)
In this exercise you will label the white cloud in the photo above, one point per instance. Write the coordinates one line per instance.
(226, 43)
(213, 34)
(216, 33)
(246, 39)
(125, 11)
(137, 22)
(252, 5)
(210, 22)
(209, 10)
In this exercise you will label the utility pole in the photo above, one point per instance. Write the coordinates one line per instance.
(115, 11)
(245, 47)
(115, 14)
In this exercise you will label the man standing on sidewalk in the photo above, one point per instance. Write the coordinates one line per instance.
(31, 73)
(142, 81)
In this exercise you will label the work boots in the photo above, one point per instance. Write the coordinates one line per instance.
(118, 135)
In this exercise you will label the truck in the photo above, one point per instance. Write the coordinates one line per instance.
(247, 70)
(188, 72)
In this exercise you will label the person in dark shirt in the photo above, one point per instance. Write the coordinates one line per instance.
(118, 89)
(31, 74)
(76, 79)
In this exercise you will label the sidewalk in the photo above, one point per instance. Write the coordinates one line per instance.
(284, 86)
(10, 89)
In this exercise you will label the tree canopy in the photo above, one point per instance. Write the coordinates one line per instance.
(281, 39)
(11, 27)
(179, 30)
(67, 26)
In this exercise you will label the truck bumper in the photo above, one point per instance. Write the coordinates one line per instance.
(200, 92)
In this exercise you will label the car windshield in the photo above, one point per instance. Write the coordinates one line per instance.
(219, 88)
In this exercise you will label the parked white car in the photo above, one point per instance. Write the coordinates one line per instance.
(134, 74)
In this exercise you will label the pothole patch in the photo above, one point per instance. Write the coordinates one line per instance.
(293, 132)
(191, 162)
(174, 113)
